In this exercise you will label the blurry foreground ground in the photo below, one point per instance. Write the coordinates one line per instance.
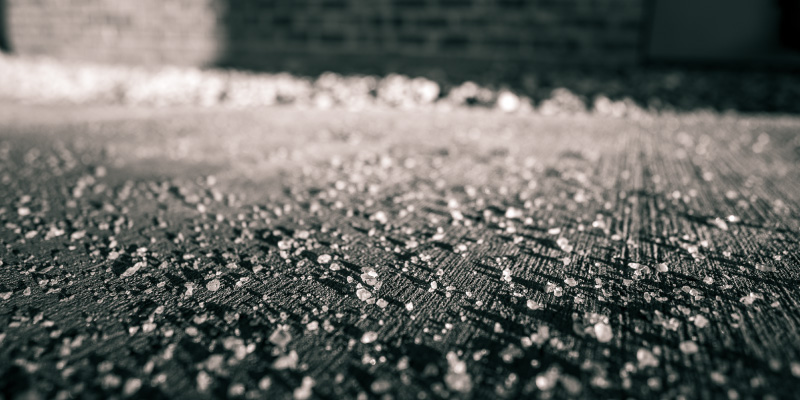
(283, 253)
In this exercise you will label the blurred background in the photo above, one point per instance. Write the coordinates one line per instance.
(676, 54)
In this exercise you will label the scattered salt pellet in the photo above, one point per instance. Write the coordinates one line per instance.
(381, 217)
(203, 381)
(457, 378)
(765, 268)
(286, 361)
(370, 276)
(718, 378)
(646, 358)
(720, 223)
(563, 243)
(381, 386)
(369, 337)
(498, 328)
(794, 366)
(750, 298)
(324, 259)
(603, 332)
(571, 282)
(507, 101)
(571, 384)
(280, 337)
(513, 213)
(547, 380)
(132, 386)
(688, 347)
(305, 390)
(213, 285)
(133, 269)
(265, 383)
(236, 390)
(410, 306)
(363, 294)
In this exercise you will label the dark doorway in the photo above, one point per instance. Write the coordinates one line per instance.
(790, 24)
(3, 28)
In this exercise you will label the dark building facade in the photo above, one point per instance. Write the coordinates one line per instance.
(379, 36)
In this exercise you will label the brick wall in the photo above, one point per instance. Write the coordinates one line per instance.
(372, 36)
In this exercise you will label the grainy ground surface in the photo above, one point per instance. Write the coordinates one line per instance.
(283, 253)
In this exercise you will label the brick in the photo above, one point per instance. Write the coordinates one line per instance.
(456, 3)
(504, 42)
(433, 22)
(454, 42)
(409, 3)
(334, 4)
(192, 31)
(512, 3)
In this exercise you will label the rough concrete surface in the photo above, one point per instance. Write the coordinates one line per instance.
(282, 253)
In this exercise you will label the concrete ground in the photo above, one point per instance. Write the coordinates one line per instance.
(283, 253)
